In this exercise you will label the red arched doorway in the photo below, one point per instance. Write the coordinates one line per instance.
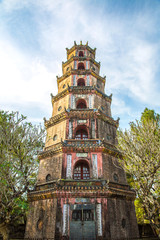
(81, 171)
(81, 54)
(81, 82)
(81, 104)
(81, 66)
(81, 134)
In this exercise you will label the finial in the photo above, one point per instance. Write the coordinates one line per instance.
(104, 77)
(87, 43)
(110, 95)
(80, 42)
(94, 49)
(44, 119)
(51, 95)
(75, 43)
(67, 49)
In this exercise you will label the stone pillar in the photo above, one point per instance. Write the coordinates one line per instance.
(88, 83)
(93, 129)
(99, 219)
(73, 101)
(94, 163)
(90, 101)
(69, 166)
(70, 130)
(65, 219)
(74, 80)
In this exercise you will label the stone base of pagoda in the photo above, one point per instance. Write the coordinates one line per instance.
(75, 210)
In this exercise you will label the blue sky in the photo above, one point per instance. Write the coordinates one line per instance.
(34, 35)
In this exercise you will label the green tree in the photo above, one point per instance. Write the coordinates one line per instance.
(20, 142)
(140, 147)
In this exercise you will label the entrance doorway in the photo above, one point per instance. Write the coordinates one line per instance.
(82, 225)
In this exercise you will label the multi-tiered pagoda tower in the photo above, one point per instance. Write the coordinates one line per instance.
(81, 190)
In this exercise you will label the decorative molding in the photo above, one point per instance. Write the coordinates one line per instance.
(81, 189)
(81, 47)
(81, 90)
(82, 114)
(80, 72)
(85, 58)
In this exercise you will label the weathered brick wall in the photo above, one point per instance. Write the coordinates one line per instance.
(68, 67)
(98, 83)
(52, 166)
(41, 219)
(112, 167)
(64, 84)
(101, 102)
(119, 221)
(106, 131)
(63, 103)
(58, 130)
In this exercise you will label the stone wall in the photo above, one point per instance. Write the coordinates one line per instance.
(110, 131)
(52, 166)
(119, 221)
(60, 105)
(41, 219)
(64, 84)
(112, 171)
(103, 104)
(55, 133)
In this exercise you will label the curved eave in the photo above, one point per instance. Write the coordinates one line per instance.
(80, 90)
(82, 114)
(70, 188)
(64, 64)
(80, 47)
(80, 72)
(72, 145)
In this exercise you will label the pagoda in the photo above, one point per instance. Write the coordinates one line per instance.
(81, 190)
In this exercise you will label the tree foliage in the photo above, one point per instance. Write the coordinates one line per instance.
(140, 146)
(20, 142)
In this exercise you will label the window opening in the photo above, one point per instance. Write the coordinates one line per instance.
(81, 54)
(81, 82)
(48, 178)
(81, 134)
(81, 104)
(81, 66)
(83, 215)
(81, 171)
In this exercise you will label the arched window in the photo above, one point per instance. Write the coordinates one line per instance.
(81, 66)
(48, 178)
(81, 82)
(81, 104)
(81, 134)
(81, 171)
(81, 54)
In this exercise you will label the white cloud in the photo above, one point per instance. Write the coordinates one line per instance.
(24, 79)
(129, 58)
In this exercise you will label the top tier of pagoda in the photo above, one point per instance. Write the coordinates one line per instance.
(80, 96)
(81, 58)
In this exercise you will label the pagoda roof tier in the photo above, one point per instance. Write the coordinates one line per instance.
(81, 59)
(66, 188)
(81, 90)
(80, 72)
(74, 145)
(80, 47)
(85, 113)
